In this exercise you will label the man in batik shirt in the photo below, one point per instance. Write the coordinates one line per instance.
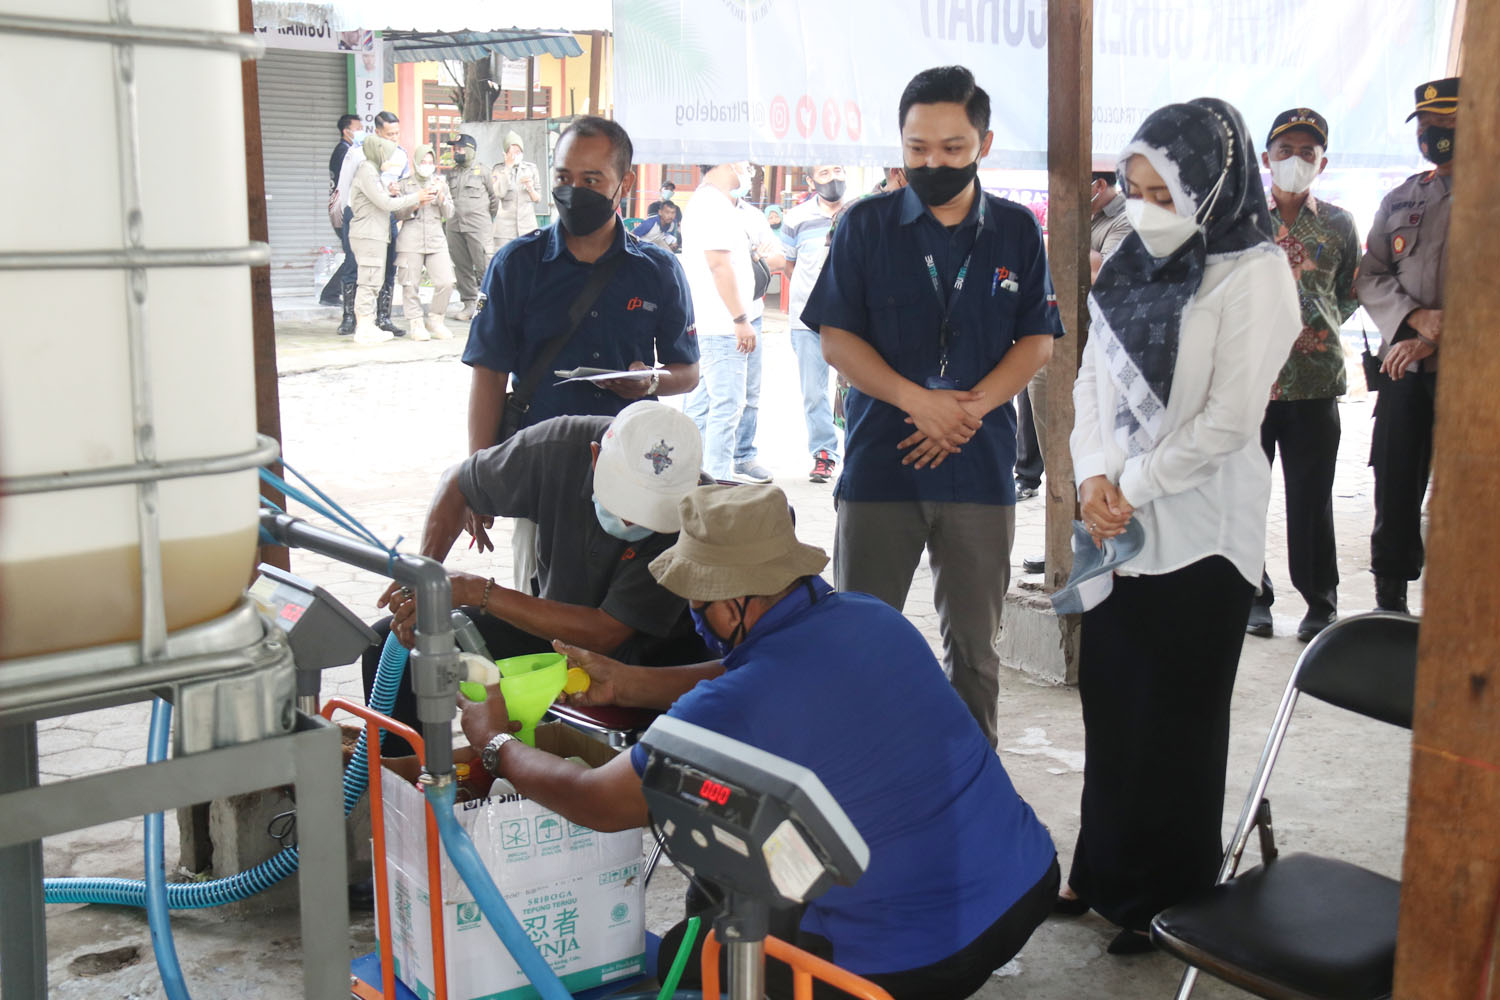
(1302, 418)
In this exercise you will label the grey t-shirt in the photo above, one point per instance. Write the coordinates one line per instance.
(543, 473)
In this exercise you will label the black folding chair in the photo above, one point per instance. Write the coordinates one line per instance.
(1304, 927)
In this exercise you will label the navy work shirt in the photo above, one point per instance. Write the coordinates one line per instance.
(952, 845)
(644, 314)
(876, 285)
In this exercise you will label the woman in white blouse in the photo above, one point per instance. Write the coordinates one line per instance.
(1191, 318)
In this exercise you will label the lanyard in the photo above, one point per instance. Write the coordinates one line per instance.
(945, 326)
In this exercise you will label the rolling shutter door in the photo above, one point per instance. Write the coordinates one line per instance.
(302, 95)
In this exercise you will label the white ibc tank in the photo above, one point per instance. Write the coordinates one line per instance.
(69, 560)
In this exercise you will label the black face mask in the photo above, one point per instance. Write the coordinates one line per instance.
(1436, 143)
(830, 190)
(460, 158)
(581, 210)
(940, 185)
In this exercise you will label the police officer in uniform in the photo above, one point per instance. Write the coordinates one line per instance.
(1401, 286)
(469, 231)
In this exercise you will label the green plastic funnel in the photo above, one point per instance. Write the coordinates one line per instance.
(530, 685)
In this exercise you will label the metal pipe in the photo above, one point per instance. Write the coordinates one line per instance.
(148, 513)
(266, 450)
(434, 664)
(249, 255)
(747, 969)
(245, 46)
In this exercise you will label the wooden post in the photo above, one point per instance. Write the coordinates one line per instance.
(1070, 103)
(267, 399)
(1450, 913)
(596, 69)
(531, 85)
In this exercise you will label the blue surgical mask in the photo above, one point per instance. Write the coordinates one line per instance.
(618, 528)
(717, 645)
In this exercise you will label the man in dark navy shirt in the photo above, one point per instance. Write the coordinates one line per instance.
(936, 305)
(642, 319)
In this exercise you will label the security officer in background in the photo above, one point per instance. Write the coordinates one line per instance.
(1400, 285)
(469, 231)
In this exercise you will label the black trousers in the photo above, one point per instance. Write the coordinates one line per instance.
(1029, 467)
(1307, 433)
(1155, 675)
(1401, 454)
(959, 975)
(502, 639)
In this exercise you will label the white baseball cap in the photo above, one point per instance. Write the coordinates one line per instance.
(648, 461)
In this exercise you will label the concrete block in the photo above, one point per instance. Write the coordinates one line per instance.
(237, 827)
(1032, 636)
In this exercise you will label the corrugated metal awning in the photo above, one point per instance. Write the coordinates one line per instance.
(458, 16)
(468, 46)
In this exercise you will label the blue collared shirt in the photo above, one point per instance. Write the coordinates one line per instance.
(644, 314)
(952, 845)
(876, 285)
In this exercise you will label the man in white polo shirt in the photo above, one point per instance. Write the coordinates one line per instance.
(716, 259)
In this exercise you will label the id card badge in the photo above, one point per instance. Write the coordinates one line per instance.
(939, 382)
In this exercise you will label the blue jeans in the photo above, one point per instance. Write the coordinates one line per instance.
(726, 404)
(817, 405)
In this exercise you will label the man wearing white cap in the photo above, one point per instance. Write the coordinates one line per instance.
(518, 185)
(604, 494)
(961, 871)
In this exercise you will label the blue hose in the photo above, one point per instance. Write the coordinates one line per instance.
(217, 892)
(470, 867)
(157, 913)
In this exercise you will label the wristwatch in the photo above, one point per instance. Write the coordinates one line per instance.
(489, 757)
(654, 384)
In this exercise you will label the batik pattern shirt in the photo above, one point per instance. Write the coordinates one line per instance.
(1322, 247)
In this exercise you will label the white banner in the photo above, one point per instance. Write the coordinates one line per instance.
(804, 81)
(319, 37)
(369, 73)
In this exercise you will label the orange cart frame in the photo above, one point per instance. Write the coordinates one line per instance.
(374, 723)
(805, 968)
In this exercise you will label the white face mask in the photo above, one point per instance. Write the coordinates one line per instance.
(1162, 231)
(1293, 174)
(742, 182)
(424, 170)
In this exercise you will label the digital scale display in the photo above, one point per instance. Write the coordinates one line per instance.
(719, 798)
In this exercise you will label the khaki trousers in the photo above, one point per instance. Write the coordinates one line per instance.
(409, 265)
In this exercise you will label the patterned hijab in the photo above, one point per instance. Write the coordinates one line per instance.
(1205, 155)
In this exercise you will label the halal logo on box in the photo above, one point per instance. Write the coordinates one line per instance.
(469, 915)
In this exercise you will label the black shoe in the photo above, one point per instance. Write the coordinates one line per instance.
(1390, 594)
(1069, 906)
(1314, 622)
(346, 295)
(1131, 943)
(1037, 565)
(1025, 491)
(362, 895)
(1259, 624)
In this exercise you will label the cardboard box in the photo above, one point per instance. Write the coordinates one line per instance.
(578, 893)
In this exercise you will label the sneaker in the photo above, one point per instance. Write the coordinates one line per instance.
(752, 472)
(467, 312)
(822, 469)
(438, 328)
(1025, 492)
(1037, 565)
(419, 331)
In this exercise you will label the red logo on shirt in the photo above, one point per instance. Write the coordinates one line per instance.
(628, 554)
(634, 304)
(1398, 244)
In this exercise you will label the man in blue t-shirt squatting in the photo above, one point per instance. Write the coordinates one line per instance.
(961, 870)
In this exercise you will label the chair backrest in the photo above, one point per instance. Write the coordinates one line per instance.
(1366, 664)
